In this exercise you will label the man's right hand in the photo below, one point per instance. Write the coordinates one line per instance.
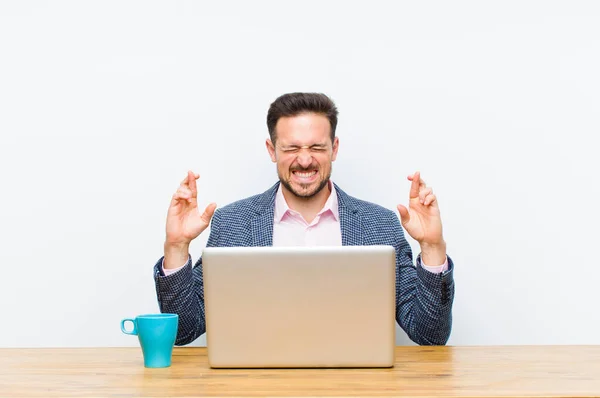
(184, 222)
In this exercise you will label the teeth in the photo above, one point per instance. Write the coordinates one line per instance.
(305, 175)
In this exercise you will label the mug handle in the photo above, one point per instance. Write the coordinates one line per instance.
(134, 331)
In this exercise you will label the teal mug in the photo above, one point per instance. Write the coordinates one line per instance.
(156, 333)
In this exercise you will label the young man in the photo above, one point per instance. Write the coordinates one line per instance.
(306, 208)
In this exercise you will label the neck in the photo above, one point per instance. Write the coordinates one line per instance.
(307, 207)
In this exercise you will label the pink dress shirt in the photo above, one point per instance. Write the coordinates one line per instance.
(291, 229)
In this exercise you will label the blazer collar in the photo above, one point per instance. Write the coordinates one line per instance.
(350, 221)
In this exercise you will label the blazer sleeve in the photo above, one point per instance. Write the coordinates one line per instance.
(182, 293)
(423, 299)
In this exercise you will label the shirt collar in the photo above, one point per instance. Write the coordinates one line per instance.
(282, 208)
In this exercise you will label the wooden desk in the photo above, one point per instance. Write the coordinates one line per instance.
(419, 371)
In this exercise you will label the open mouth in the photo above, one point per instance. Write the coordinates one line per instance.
(304, 177)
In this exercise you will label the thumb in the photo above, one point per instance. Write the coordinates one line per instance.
(404, 214)
(208, 212)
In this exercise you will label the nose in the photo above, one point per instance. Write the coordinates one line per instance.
(304, 159)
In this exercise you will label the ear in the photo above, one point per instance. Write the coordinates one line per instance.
(336, 145)
(271, 149)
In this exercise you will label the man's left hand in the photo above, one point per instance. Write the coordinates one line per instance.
(422, 221)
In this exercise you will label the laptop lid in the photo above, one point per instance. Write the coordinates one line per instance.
(300, 306)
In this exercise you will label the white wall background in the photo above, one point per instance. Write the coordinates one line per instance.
(105, 105)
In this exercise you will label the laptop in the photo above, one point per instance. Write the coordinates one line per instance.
(300, 307)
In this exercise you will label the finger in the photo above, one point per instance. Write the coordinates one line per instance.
(184, 193)
(404, 214)
(208, 212)
(192, 183)
(186, 180)
(175, 199)
(414, 187)
(423, 194)
(421, 183)
(429, 200)
(179, 199)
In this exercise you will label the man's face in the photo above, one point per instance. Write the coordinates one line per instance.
(303, 152)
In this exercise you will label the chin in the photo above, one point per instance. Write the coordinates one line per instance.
(305, 191)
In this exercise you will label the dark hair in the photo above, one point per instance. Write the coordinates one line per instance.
(294, 104)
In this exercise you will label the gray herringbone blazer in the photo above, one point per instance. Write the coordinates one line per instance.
(423, 299)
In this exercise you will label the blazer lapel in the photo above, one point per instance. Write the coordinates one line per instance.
(262, 222)
(350, 221)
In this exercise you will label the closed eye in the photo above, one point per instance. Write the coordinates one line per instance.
(318, 148)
